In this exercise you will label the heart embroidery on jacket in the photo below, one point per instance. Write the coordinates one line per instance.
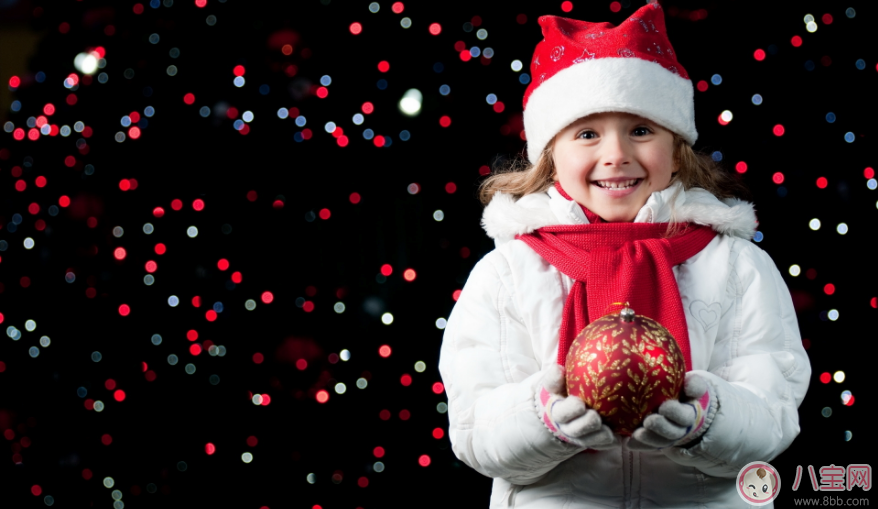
(705, 314)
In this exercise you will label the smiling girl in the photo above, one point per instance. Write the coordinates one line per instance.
(614, 206)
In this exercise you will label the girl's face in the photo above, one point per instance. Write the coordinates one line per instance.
(612, 162)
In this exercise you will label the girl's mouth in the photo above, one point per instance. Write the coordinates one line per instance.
(617, 184)
(617, 188)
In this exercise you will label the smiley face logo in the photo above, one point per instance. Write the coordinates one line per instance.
(758, 483)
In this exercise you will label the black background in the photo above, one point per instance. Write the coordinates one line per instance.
(182, 155)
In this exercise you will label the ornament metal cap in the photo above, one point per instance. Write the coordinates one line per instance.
(627, 314)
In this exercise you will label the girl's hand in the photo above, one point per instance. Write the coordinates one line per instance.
(678, 423)
(567, 417)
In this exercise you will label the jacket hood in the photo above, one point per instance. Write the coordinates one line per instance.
(505, 217)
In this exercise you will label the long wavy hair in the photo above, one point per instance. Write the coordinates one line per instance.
(693, 169)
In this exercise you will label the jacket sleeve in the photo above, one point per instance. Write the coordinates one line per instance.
(759, 370)
(494, 427)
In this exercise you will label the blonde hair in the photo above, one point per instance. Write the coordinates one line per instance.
(692, 169)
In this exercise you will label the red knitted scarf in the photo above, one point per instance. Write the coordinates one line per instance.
(620, 262)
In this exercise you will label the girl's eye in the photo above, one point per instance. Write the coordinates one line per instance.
(764, 488)
(641, 131)
(588, 135)
(751, 486)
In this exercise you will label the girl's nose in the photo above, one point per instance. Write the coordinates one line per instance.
(615, 152)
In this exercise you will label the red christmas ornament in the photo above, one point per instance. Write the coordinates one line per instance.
(624, 366)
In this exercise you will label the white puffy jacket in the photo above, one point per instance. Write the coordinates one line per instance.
(504, 329)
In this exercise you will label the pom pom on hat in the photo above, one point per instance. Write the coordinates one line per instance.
(581, 68)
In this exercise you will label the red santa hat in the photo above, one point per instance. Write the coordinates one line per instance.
(581, 68)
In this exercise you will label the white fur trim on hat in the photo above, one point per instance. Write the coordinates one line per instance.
(627, 85)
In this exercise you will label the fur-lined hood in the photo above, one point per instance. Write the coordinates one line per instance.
(505, 217)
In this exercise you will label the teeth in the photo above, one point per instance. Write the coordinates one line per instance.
(616, 185)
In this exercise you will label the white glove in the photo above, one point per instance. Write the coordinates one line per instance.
(567, 417)
(678, 423)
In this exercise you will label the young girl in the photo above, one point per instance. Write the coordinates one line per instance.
(615, 206)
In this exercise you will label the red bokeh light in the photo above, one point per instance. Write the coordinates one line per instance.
(456, 295)
(384, 66)
(435, 28)
(36, 490)
(721, 120)
(189, 98)
(49, 109)
(741, 167)
(239, 70)
(124, 310)
(702, 86)
(14, 82)
(160, 249)
(445, 121)
(236, 277)
(384, 351)
(325, 214)
(86, 474)
(176, 204)
(614, 6)
(200, 3)
(759, 55)
(70, 161)
(777, 178)
(409, 275)
(568, 6)
(110, 384)
(438, 387)
(267, 297)
(829, 289)
(378, 452)
(405, 380)
(397, 7)
(301, 364)
(151, 266)
(196, 301)
(465, 55)
(119, 395)
(484, 170)
(209, 448)
(827, 19)
(355, 198)
(124, 184)
(252, 441)
(308, 306)
(251, 195)
(822, 182)
(778, 130)
(222, 264)
(850, 401)
(192, 335)
(258, 358)
(322, 92)
(198, 204)
(450, 187)
(825, 377)
(71, 99)
(210, 315)
(796, 41)
(40, 181)
(195, 349)
(106, 439)
(368, 107)
(322, 396)
(438, 433)
(356, 28)
(386, 270)
(424, 460)
(405, 415)
(363, 482)
(158, 212)
(869, 173)
(499, 107)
